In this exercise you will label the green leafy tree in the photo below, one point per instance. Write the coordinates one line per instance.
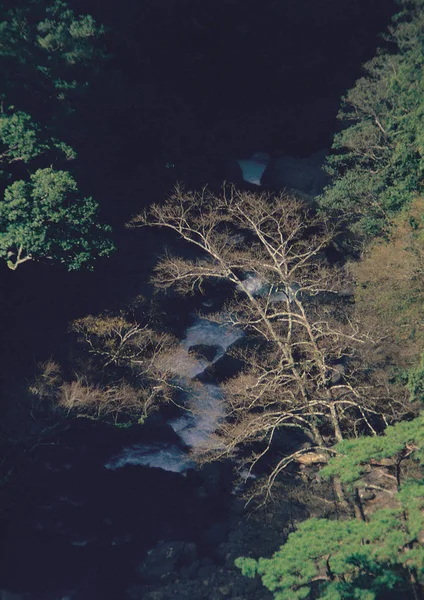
(354, 456)
(356, 559)
(416, 381)
(377, 160)
(46, 218)
(46, 54)
(349, 559)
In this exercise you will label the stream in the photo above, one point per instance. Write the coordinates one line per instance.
(203, 401)
(100, 498)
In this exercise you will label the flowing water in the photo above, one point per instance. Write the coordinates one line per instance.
(203, 402)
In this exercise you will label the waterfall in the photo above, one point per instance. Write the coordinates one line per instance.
(204, 401)
(254, 167)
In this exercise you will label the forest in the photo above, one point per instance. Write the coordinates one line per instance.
(212, 279)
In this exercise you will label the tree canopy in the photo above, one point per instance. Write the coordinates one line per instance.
(377, 161)
(46, 56)
(367, 558)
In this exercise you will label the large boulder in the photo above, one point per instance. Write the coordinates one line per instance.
(254, 167)
(232, 171)
(303, 175)
(205, 351)
(163, 561)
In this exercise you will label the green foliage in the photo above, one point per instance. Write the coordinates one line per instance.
(355, 559)
(68, 36)
(378, 159)
(45, 218)
(353, 456)
(44, 47)
(19, 136)
(23, 140)
(416, 381)
(349, 559)
(46, 53)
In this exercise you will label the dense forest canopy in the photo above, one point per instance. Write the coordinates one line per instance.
(377, 161)
(46, 56)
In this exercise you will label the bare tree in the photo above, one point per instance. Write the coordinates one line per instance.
(129, 372)
(304, 363)
(108, 402)
(122, 369)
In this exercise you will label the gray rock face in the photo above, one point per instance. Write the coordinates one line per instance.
(163, 561)
(254, 167)
(301, 174)
(204, 351)
(232, 171)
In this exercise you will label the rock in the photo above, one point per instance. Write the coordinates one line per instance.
(300, 174)
(204, 351)
(188, 555)
(383, 462)
(254, 167)
(206, 572)
(366, 495)
(222, 369)
(235, 536)
(163, 561)
(232, 171)
(308, 473)
(224, 590)
(216, 479)
(190, 571)
(216, 534)
(312, 458)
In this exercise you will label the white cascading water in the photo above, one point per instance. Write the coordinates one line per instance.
(204, 401)
(253, 168)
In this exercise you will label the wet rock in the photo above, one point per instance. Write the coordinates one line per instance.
(302, 174)
(216, 534)
(204, 351)
(163, 561)
(216, 479)
(190, 571)
(222, 369)
(232, 171)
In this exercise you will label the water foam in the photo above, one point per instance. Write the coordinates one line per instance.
(254, 167)
(204, 401)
